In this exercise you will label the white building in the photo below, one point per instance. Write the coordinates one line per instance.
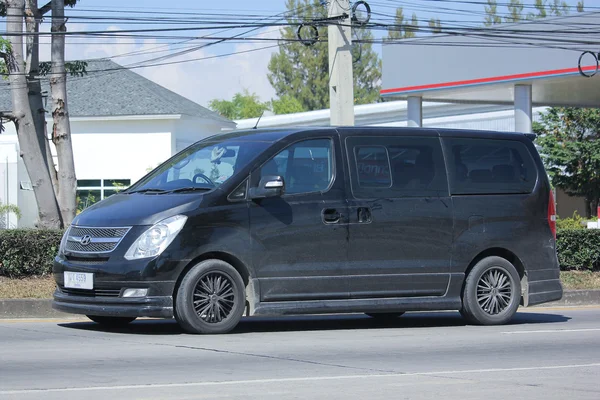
(122, 124)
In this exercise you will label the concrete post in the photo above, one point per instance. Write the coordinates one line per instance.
(523, 109)
(415, 111)
(341, 81)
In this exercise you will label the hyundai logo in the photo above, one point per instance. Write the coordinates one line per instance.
(85, 240)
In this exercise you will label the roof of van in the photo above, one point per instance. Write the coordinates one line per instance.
(276, 134)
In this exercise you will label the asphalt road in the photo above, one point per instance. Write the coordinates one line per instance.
(551, 353)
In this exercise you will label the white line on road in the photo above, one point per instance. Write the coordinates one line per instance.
(298, 379)
(552, 331)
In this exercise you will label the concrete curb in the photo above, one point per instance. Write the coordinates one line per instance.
(577, 298)
(42, 308)
(28, 308)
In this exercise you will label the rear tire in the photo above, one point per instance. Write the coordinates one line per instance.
(384, 316)
(111, 322)
(492, 292)
(210, 299)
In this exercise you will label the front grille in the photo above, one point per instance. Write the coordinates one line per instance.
(98, 232)
(94, 240)
(91, 293)
(87, 261)
(92, 247)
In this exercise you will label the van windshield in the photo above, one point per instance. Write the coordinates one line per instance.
(203, 166)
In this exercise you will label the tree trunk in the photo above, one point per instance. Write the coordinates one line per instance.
(36, 101)
(49, 213)
(61, 130)
(588, 208)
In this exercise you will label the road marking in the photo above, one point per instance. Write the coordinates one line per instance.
(552, 331)
(298, 379)
(563, 307)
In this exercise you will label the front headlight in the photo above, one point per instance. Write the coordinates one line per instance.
(156, 239)
(63, 242)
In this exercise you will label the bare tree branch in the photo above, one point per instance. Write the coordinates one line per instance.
(8, 115)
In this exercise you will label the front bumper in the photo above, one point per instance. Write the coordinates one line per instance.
(110, 281)
(80, 303)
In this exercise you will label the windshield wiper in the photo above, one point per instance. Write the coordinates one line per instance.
(153, 190)
(189, 189)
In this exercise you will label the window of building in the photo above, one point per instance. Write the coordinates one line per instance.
(90, 191)
(396, 167)
(483, 166)
(305, 166)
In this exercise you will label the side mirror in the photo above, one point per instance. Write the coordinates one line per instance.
(269, 186)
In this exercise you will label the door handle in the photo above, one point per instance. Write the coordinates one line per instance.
(331, 216)
(364, 215)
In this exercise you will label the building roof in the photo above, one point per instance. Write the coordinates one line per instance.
(108, 89)
(482, 65)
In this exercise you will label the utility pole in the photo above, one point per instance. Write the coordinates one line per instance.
(341, 80)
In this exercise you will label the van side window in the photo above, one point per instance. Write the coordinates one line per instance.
(306, 166)
(483, 166)
(396, 167)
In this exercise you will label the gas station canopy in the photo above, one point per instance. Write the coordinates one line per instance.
(486, 65)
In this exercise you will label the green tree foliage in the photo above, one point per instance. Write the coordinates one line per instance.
(286, 105)
(435, 25)
(10, 209)
(515, 11)
(540, 7)
(248, 105)
(491, 11)
(243, 105)
(570, 147)
(402, 29)
(559, 8)
(302, 72)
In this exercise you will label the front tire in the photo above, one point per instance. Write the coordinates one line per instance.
(111, 322)
(210, 298)
(492, 292)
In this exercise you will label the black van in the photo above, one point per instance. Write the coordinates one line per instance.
(322, 220)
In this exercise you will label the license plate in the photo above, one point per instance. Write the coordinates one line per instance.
(79, 280)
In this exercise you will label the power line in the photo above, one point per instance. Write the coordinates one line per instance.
(486, 37)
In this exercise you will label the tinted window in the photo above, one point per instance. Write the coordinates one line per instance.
(396, 167)
(482, 166)
(305, 166)
(205, 165)
(373, 166)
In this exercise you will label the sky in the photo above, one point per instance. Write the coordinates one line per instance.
(196, 75)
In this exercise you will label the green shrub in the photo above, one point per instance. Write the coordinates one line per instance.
(575, 222)
(578, 249)
(28, 252)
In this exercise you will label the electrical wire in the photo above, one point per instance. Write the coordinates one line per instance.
(576, 36)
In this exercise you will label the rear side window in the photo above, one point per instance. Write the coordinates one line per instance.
(482, 166)
(395, 167)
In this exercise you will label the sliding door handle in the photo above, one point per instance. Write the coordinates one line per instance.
(331, 216)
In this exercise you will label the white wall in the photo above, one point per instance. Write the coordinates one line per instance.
(189, 130)
(120, 149)
(8, 181)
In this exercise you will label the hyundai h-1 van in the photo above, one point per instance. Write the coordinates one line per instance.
(319, 220)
